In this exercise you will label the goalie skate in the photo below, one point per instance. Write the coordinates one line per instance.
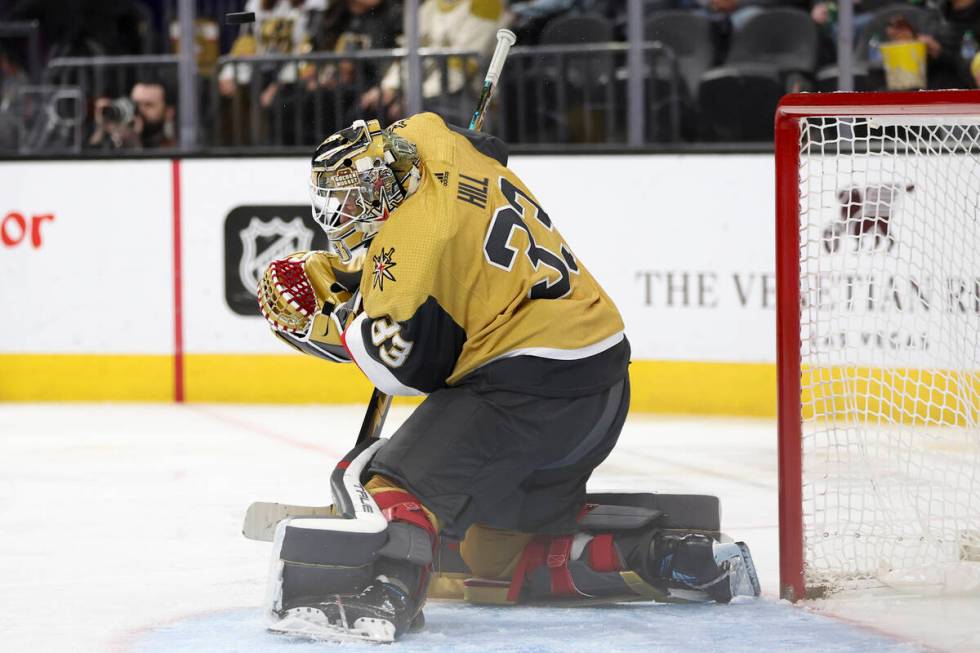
(742, 579)
(381, 612)
(312, 623)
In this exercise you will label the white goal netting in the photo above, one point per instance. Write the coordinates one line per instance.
(890, 351)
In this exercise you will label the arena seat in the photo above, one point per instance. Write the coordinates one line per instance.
(738, 103)
(689, 36)
(783, 38)
(569, 29)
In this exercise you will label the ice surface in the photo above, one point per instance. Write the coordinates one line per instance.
(751, 627)
(120, 531)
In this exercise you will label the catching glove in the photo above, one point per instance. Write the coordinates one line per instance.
(306, 306)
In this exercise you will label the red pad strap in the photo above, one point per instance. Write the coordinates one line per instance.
(398, 505)
(548, 551)
(602, 554)
(532, 558)
(559, 552)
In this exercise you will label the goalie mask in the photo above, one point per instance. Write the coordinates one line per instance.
(359, 176)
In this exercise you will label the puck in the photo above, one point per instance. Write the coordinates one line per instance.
(240, 18)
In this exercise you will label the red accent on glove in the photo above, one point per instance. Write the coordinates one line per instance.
(291, 281)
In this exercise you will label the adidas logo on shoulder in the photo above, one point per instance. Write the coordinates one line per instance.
(443, 178)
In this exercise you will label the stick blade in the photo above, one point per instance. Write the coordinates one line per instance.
(262, 517)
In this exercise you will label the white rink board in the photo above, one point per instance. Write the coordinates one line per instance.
(100, 278)
(683, 244)
(211, 188)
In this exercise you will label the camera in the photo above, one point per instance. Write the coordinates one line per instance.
(121, 110)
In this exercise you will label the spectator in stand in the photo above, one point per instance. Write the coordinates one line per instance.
(280, 27)
(92, 27)
(528, 17)
(944, 68)
(350, 26)
(143, 121)
(824, 14)
(958, 41)
(738, 12)
(466, 24)
(729, 15)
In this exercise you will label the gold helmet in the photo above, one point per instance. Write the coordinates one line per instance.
(359, 175)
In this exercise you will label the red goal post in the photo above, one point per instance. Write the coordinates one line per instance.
(856, 192)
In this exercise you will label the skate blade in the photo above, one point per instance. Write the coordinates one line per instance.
(309, 623)
(742, 577)
(745, 580)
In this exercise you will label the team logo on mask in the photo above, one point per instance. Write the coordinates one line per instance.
(382, 268)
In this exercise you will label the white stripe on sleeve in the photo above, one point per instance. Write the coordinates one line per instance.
(377, 372)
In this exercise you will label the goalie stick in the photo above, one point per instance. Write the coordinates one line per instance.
(262, 517)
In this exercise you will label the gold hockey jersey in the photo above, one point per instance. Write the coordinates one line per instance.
(469, 270)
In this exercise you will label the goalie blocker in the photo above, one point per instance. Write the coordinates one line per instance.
(363, 574)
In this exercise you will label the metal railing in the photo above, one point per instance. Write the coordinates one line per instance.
(549, 96)
(106, 76)
(113, 77)
(44, 119)
(581, 94)
(282, 100)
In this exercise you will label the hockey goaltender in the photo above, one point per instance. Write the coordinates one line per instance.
(447, 278)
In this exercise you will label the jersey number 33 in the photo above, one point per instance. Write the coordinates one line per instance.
(519, 214)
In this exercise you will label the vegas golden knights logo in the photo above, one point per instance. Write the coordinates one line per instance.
(382, 268)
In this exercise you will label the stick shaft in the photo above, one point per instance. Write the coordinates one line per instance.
(374, 416)
(505, 39)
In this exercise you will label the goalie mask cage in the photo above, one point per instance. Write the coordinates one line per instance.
(878, 339)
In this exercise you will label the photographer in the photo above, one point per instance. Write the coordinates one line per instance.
(144, 120)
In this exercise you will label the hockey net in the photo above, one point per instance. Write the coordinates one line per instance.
(879, 342)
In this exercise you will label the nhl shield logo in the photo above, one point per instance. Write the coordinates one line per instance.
(254, 235)
(265, 241)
